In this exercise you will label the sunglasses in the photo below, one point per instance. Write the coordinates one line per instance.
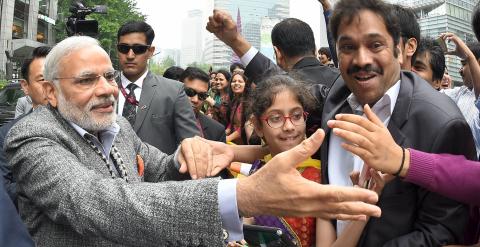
(190, 92)
(137, 49)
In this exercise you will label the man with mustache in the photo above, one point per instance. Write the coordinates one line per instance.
(86, 179)
(367, 35)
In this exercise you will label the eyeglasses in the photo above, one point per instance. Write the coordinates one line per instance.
(277, 120)
(190, 92)
(90, 80)
(137, 49)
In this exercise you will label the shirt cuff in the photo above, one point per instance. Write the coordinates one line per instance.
(175, 158)
(227, 202)
(247, 57)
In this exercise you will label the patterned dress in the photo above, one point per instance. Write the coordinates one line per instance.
(300, 230)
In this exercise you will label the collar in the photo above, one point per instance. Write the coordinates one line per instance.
(305, 62)
(138, 82)
(389, 99)
(106, 139)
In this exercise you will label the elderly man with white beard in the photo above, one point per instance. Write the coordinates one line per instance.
(86, 179)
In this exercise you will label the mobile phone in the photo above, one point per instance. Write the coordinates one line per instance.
(266, 236)
(442, 44)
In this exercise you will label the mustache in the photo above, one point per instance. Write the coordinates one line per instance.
(367, 69)
(101, 101)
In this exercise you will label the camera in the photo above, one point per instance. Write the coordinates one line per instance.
(76, 23)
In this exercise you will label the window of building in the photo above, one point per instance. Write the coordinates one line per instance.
(43, 7)
(20, 19)
(42, 31)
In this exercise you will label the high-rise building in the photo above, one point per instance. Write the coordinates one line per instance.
(252, 12)
(24, 25)
(440, 16)
(192, 38)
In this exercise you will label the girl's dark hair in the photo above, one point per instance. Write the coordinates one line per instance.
(264, 95)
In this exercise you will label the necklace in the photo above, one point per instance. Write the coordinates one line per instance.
(117, 159)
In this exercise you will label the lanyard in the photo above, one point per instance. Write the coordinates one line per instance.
(128, 97)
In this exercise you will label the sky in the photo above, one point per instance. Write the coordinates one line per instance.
(166, 19)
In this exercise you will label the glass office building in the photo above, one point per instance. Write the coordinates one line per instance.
(439, 16)
(252, 12)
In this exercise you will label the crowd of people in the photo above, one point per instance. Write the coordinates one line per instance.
(362, 143)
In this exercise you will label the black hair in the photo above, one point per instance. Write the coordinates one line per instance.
(326, 51)
(173, 72)
(192, 73)
(234, 66)
(137, 27)
(349, 9)
(475, 48)
(476, 20)
(409, 27)
(264, 95)
(293, 37)
(225, 73)
(242, 100)
(437, 58)
(39, 52)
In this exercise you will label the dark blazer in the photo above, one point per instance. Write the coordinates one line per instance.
(211, 129)
(308, 69)
(164, 115)
(5, 170)
(426, 120)
(13, 232)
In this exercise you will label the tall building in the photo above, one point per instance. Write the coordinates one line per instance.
(24, 25)
(440, 16)
(252, 13)
(192, 38)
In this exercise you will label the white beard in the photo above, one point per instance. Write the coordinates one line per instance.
(84, 117)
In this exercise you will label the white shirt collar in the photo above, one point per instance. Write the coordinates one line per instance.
(388, 99)
(138, 82)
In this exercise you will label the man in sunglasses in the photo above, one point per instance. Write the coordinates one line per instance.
(196, 83)
(156, 107)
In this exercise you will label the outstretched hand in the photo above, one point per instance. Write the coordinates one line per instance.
(370, 140)
(203, 158)
(279, 189)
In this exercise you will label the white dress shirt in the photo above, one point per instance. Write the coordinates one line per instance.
(341, 162)
(138, 91)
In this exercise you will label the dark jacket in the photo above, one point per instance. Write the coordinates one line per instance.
(426, 120)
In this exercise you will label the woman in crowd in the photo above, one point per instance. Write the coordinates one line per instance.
(238, 122)
(219, 104)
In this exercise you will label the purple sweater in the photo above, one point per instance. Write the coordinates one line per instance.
(452, 176)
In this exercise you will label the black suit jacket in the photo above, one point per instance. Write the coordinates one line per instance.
(211, 129)
(426, 120)
(308, 69)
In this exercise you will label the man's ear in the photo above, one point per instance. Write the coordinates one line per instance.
(279, 57)
(24, 85)
(411, 47)
(151, 51)
(50, 93)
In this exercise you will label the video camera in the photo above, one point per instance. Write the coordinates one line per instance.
(76, 23)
